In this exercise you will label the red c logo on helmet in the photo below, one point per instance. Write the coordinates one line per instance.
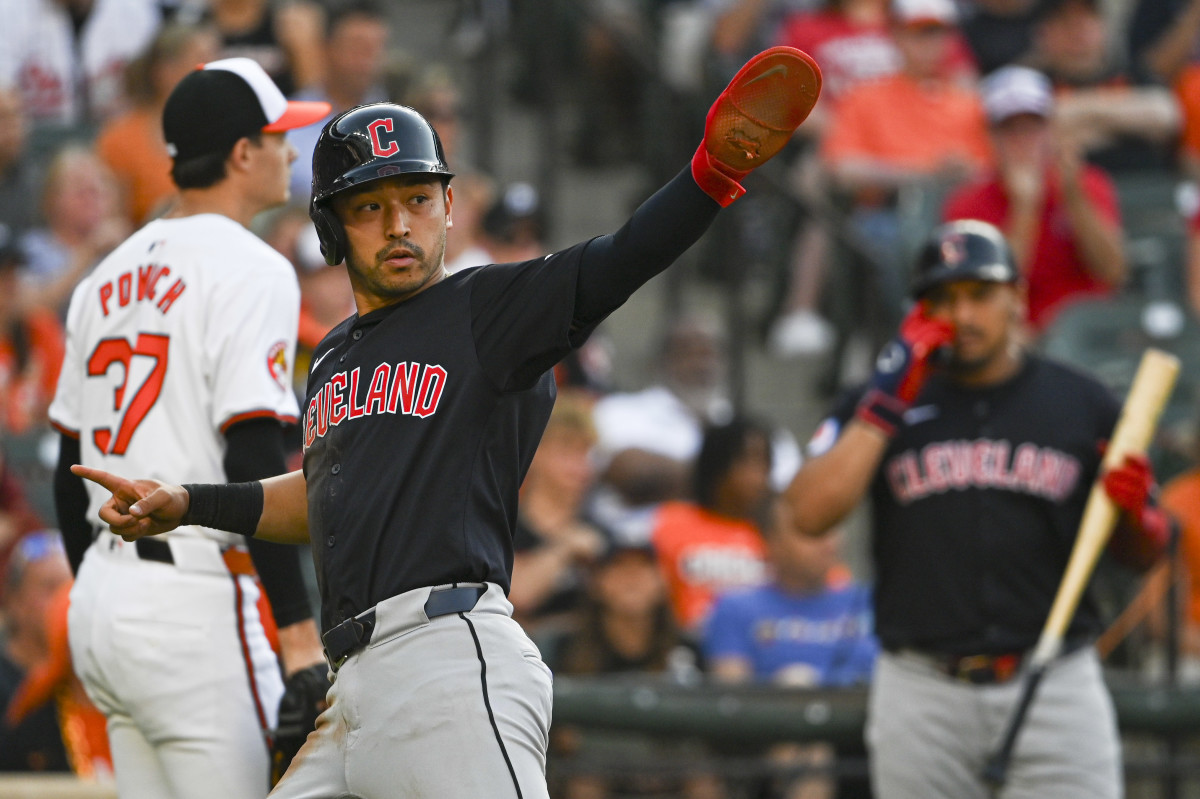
(376, 145)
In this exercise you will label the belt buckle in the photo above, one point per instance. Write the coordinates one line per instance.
(976, 669)
(987, 669)
(348, 637)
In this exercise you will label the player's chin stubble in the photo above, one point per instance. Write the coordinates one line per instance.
(397, 287)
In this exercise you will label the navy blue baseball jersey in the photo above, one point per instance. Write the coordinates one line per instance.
(421, 418)
(976, 505)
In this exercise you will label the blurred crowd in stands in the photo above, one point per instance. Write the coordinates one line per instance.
(649, 538)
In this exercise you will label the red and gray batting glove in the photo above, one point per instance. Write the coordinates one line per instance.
(753, 119)
(901, 369)
(1132, 488)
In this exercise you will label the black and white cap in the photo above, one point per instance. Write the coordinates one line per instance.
(223, 101)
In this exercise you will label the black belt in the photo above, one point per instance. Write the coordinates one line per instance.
(988, 669)
(353, 634)
(153, 549)
(237, 560)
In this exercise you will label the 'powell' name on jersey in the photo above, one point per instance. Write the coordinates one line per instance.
(956, 465)
(411, 389)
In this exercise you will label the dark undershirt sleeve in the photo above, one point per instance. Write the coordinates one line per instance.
(614, 266)
(254, 451)
(525, 317)
(71, 503)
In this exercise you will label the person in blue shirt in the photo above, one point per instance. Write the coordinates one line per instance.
(809, 625)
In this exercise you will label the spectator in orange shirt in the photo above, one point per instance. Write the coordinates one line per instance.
(31, 349)
(713, 543)
(913, 124)
(132, 144)
(916, 126)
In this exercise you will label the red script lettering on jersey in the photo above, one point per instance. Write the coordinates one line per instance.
(147, 280)
(409, 389)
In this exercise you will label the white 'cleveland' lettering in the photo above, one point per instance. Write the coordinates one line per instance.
(957, 465)
(409, 389)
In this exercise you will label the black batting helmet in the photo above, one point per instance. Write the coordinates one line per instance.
(967, 249)
(364, 144)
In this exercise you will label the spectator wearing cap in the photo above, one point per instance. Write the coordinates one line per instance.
(1123, 122)
(917, 126)
(31, 348)
(1060, 215)
(852, 41)
(514, 228)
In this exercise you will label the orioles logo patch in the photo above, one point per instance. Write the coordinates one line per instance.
(277, 363)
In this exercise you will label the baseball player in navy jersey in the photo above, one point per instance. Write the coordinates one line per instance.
(178, 363)
(422, 414)
(978, 457)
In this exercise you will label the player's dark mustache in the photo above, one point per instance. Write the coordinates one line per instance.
(412, 250)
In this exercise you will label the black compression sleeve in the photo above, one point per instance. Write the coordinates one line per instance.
(660, 230)
(71, 503)
(255, 450)
(233, 507)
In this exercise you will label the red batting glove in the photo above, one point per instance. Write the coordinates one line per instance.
(1132, 488)
(901, 369)
(753, 119)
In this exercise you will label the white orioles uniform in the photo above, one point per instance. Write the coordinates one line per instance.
(185, 329)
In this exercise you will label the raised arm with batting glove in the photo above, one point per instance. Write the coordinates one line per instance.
(902, 368)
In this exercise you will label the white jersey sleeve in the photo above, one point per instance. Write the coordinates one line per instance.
(251, 341)
(65, 409)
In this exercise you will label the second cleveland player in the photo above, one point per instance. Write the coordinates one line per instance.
(977, 475)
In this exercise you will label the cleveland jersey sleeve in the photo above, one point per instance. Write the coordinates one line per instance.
(521, 316)
(250, 347)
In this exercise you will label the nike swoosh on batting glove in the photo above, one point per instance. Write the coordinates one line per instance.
(902, 368)
(753, 119)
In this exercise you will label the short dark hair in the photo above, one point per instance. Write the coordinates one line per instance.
(1049, 8)
(349, 9)
(723, 444)
(205, 171)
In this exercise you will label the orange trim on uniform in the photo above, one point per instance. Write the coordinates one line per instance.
(239, 562)
(66, 431)
(262, 413)
(247, 658)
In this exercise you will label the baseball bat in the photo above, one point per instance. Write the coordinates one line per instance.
(1152, 385)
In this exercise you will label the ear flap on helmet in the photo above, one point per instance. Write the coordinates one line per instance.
(330, 233)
